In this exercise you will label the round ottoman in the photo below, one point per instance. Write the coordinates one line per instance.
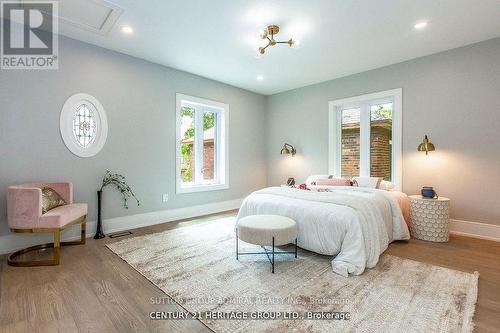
(267, 230)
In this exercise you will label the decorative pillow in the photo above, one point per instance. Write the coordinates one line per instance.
(385, 185)
(370, 182)
(334, 182)
(50, 199)
(312, 179)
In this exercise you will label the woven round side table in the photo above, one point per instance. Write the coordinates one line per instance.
(430, 218)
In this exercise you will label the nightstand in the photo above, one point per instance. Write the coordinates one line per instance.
(430, 218)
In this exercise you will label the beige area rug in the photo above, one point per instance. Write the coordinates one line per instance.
(196, 266)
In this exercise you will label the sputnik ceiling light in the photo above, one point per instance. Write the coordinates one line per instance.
(268, 34)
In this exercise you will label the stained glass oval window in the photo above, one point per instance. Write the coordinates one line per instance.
(84, 125)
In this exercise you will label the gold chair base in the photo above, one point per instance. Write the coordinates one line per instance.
(55, 245)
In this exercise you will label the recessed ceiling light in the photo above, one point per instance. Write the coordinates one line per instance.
(260, 78)
(128, 30)
(420, 25)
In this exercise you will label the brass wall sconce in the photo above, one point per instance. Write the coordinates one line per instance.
(288, 149)
(426, 146)
(268, 34)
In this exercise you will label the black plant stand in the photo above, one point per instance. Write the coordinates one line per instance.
(99, 234)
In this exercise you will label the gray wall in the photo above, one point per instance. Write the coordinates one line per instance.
(454, 97)
(139, 100)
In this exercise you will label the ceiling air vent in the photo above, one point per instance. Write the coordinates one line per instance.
(96, 16)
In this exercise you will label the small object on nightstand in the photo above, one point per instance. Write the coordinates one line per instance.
(428, 192)
(430, 218)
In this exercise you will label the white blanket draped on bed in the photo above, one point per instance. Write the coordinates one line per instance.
(354, 224)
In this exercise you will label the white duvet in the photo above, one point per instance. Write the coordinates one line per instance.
(354, 224)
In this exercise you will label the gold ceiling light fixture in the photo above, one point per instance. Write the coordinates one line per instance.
(268, 34)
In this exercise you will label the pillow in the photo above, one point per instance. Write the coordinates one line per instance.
(370, 182)
(50, 199)
(313, 178)
(334, 182)
(385, 185)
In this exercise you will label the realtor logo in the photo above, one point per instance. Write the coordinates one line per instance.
(29, 37)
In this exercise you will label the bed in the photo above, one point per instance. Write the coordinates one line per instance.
(354, 224)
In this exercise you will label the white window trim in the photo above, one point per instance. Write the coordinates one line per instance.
(66, 125)
(222, 155)
(334, 133)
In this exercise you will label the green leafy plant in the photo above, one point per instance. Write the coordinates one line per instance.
(187, 112)
(208, 120)
(381, 113)
(186, 156)
(118, 181)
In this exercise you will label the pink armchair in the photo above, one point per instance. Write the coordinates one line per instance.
(24, 213)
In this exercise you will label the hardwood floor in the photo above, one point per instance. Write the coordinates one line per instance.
(93, 290)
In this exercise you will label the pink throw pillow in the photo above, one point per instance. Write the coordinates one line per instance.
(334, 182)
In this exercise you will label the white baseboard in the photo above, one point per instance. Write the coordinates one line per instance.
(475, 229)
(13, 242)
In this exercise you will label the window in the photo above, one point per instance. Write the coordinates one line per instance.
(381, 140)
(365, 136)
(83, 125)
(350, 153)
(202, 163)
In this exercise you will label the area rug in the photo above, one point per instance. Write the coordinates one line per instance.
(196, 266)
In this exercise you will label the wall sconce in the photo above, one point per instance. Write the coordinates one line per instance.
(426, 146)
(288, 149)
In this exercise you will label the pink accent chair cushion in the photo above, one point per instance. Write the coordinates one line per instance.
(62, 215)
(24, 206)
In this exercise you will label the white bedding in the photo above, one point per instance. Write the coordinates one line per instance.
(354, 224)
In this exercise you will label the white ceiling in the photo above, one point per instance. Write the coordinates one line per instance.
(218, 39)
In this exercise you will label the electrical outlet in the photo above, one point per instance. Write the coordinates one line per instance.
(164, 197)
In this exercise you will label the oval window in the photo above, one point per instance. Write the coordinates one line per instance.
(83, 125)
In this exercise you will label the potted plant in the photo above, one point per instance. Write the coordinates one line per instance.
(118, 181)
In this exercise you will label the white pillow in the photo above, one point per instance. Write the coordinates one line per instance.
(370, 182)
(313, 178)
(385, 185)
